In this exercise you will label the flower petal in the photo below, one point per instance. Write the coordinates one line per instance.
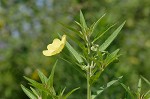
(56, 43)
(56, 47)
(60, 48)
(64, 39)
(49, 52)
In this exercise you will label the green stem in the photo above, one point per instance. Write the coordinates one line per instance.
(88, 84)
(87, 39)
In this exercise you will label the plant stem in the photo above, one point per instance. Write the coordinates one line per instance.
(87, 39)
(88, 85)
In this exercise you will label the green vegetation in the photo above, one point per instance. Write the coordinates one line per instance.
(27, 26)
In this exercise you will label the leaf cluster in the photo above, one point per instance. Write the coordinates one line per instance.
(130, 94)
(93, 55)
(94, 58)
(45, 89)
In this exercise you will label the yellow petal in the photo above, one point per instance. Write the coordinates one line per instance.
(48, 52)
(64, 38)
(56, 43)
(56, 47)
(60, 48)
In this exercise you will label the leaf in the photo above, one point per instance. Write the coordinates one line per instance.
(139, 88)
(111, 38)
(62, 92)
(34, 91)
(28, 93)
(37, 85)
(99, 36)
(73, 64)
(97, 22)
(105, 87)
(69, 93)
(147, 95)
(76, 41)
(95, 77)
(78, 24)
(111, 57)
(113, 81)
(50, 79)
(128, 91)
(42, 77)
(72, 29)
(82, 20)
(74, 53)
(44, 95)
(145, 80)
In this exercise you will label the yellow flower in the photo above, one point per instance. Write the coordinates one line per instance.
(56, 47)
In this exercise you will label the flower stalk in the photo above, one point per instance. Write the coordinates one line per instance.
(88, 83)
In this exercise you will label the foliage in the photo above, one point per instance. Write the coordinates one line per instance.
(93, 61)
(25, 26)
(138, 94)
(45, 90)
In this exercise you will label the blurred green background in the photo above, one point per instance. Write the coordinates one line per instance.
(27, 26)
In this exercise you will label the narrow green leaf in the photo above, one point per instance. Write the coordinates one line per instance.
(96, 23)
(101, 34)
(34, 91)
(28, 92)
(111, 57)
(145, 80)
(147, 95)
(73, 64)
(50, 79)
(69, 93)
(82, 20)
(62, 92)
(95, 77)
(76, 41)
(100, 55)
(78, 24)
(42, 77)
(37, 85)
(66, 60)
(72, 29)
(113, 81)
(105, 87)
(44, 95)
(139, 88)
(128, 91)
(111, 38)
(74, 53)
